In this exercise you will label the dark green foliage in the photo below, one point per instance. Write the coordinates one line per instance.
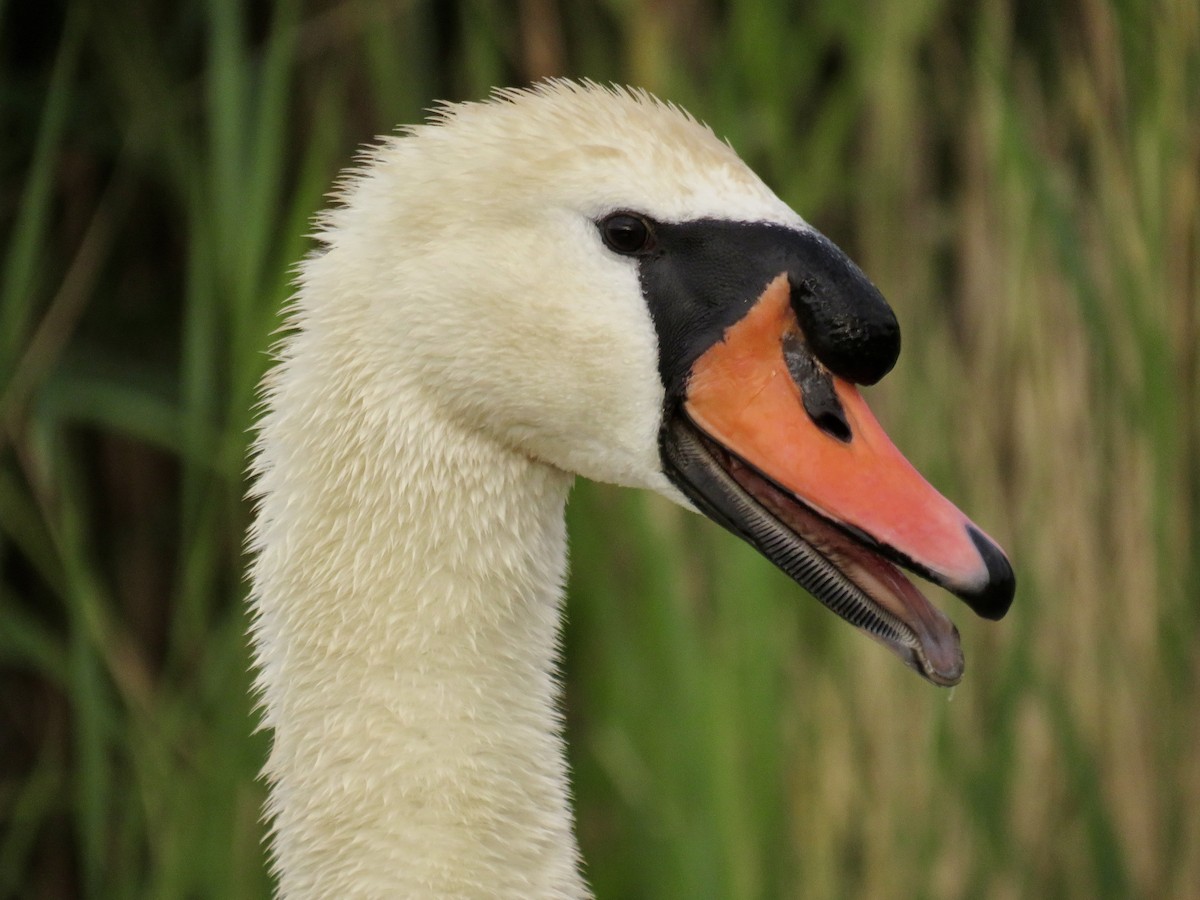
(1019, 178)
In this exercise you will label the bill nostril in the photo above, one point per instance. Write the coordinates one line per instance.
(816, 389)
(834, 424)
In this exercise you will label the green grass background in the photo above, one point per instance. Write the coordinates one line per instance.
(1021, 179)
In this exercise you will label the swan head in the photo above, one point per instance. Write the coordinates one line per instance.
(592, 279)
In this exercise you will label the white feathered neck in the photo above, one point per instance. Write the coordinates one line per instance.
(461, 345)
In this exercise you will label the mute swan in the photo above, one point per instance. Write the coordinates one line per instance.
(564, 280)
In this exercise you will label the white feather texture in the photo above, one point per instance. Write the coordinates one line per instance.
(462, 345)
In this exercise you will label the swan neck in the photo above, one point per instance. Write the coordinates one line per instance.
(407, 592)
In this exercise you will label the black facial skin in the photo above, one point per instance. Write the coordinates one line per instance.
(702, 276)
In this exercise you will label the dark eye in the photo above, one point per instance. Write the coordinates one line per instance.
(625, 233)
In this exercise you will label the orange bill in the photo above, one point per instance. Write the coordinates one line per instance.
(802, 445)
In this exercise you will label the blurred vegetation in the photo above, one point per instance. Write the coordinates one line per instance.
(1021, 178)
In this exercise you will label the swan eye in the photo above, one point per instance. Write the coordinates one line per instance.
(626, 234)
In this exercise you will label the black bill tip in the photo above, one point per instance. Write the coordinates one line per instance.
(996, 596)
